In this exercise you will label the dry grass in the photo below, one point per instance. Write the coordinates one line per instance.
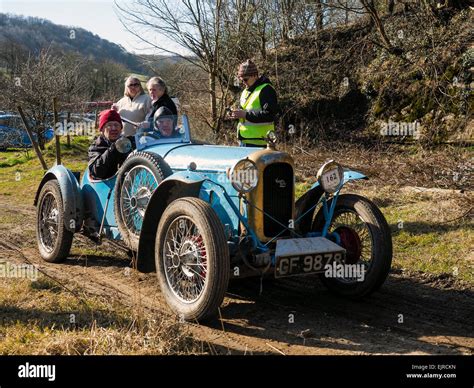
(389, 164)
(41, 318)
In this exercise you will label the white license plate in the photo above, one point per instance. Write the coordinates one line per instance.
(304, 256)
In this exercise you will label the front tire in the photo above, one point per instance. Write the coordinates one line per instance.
(367, 239)
(192, 259)
(54, 240)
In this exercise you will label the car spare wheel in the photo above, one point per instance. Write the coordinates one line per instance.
(136, 181)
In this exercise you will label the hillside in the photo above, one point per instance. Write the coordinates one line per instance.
(35, 34)
(343, 84)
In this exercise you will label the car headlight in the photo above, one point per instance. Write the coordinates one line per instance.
(244, 176)
(331, 176)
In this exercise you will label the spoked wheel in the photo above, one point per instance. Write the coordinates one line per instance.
(185, 260)
(138, 178)
(138, 186)
(54, 240)
(365, 235)
(192, 258)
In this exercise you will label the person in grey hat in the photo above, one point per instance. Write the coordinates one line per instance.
(259, 106)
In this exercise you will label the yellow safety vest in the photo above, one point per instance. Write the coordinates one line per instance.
(250, 102)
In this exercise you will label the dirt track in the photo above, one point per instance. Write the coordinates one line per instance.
(291, 316)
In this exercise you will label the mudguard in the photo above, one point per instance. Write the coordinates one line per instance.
(71, 195)
(181, 184)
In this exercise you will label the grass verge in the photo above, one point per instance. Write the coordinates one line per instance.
(21, 173)
(39, 317)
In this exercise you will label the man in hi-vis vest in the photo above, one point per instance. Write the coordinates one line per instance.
(259, 107)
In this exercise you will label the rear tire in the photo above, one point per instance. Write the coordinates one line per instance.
(370, 227)
(136, 181)
(54, 240)
(192, 259)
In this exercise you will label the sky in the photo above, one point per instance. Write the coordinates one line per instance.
(97, 16)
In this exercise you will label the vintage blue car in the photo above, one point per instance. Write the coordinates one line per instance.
(200, 214)
(12, 134)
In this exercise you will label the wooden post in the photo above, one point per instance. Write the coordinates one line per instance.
(96, 110)
(56, 136)
(33, 142)
(68, 136)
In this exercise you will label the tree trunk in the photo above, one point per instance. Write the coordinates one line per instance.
(287, 25)
(319, 15)
(390, 6)
(263, 44)
(41, 141)
(68, 136)
(370, 8)
(346, 15)
(213, 101)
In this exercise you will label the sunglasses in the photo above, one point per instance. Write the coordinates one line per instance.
(135, 84)
(244, 79)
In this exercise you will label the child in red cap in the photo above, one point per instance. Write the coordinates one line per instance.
(104, 158)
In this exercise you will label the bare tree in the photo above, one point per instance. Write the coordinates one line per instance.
(371, 9)
(40, 79)
(12, 55)
(213, 35)
(105, 80)
(374, 15)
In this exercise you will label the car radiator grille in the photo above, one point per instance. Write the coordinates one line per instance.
(277, 197)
